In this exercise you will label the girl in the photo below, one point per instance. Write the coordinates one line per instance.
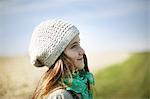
(56, 44)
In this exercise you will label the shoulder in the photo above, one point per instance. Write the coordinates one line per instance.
(60, 94)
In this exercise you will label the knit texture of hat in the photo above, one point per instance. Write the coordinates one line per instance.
(49, 40)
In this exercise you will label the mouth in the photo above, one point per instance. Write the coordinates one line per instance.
(80, 59)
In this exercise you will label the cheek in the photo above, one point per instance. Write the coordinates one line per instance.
(74, 56)
(71, 54)
(79, 64)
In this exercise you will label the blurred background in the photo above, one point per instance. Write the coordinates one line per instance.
(114, 34)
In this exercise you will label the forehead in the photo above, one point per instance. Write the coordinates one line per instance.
(75, 39)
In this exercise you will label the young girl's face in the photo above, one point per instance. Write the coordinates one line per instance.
(75, 52)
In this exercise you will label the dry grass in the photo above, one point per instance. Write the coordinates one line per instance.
(18, 78)
(103, 60)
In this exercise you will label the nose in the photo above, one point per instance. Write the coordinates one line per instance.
(81, 52)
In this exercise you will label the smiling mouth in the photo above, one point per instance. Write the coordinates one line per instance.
(80, 59)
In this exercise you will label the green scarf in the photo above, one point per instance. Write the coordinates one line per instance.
(79, 84)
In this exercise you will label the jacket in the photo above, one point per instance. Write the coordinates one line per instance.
(63, 94)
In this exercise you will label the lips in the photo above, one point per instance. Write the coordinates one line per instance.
(80, 59)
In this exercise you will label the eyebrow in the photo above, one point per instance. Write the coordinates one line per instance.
(73, 43)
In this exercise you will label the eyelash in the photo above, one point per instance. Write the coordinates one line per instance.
(75, 45)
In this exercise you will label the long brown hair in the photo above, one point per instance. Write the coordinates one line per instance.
(52, 78)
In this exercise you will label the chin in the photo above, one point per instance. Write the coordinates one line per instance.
(81, 67)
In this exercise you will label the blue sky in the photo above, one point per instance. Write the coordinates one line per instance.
(104, 25)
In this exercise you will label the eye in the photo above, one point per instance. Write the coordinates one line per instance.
(73, 46)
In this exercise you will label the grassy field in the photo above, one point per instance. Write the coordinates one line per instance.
(127, 80)
(18, 78)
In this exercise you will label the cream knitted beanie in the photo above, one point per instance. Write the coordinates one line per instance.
(48, 41)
